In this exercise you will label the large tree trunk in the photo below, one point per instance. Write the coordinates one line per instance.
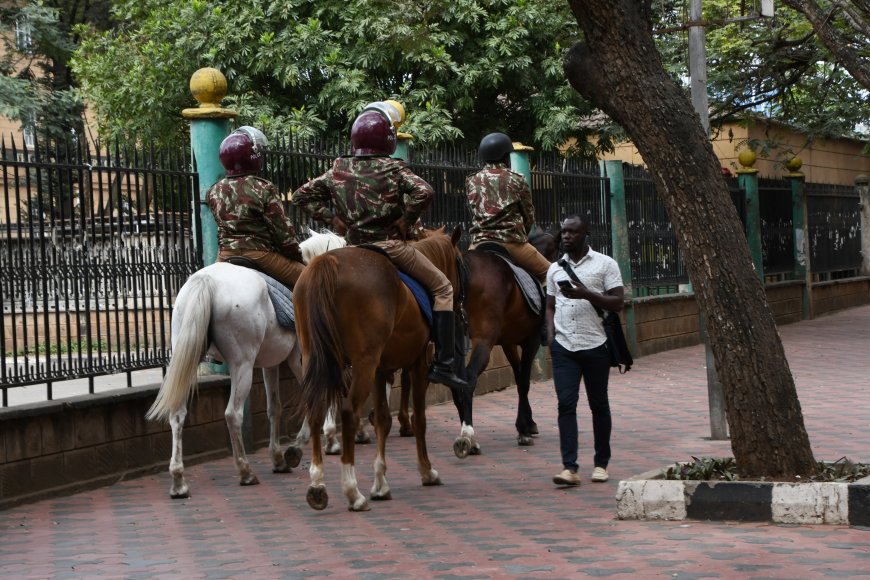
(619, 69)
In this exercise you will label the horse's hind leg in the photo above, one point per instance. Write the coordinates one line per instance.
(383, 421)
(419, 385)
(363, 377)
(179, 489)
(271, 382)
(406, 426)
(240, 376)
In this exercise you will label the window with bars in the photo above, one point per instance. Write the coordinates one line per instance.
(24, 36)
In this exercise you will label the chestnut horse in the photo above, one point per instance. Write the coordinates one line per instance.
(352, 310)
(497, 314)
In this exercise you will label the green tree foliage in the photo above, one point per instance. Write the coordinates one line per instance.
(773, 67)
(30, 91)
(461, 67)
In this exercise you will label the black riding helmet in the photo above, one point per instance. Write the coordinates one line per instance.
(494, 147)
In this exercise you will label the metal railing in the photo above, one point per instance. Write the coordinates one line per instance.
(94, 243)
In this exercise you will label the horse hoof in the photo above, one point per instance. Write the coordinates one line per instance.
(360, 506)
(525, 440)
(282, 468)
(333, 449)
(406, 432)
(317, 497)
(293, 455)
(250, 480)
(363, 438)
(182, 494)
(462, 447)
(432, 482)
(533, 429)
(475, 449)
(382, 496)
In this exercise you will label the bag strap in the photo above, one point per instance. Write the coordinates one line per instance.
(574, 277)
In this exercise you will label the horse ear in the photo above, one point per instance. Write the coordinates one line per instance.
(457, 233)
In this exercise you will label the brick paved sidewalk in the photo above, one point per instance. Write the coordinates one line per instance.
(497, 516)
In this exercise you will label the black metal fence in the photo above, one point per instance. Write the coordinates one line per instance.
(834, 221)
(94, 243)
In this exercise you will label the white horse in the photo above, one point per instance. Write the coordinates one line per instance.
(225, 311)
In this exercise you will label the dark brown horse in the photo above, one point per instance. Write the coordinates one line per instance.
(354, 312)
(497, 314)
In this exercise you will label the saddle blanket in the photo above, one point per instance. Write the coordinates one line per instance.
(420, 294)
(282, 301)
(529, 287)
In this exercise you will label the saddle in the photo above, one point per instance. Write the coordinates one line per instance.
(424, 301)
(280, 296)
(528, 284)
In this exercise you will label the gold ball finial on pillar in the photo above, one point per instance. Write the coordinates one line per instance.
(747, 159)
(794, 165)
(209, 87)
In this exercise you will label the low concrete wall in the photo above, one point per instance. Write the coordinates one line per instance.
(58, 447)
(668, 322)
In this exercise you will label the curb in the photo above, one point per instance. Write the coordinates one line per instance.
(649, 497)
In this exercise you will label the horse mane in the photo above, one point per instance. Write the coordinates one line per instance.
(320, 243)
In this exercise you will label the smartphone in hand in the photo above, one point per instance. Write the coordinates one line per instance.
(565, 284)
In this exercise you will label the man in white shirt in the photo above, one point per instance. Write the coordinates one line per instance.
(575, 332)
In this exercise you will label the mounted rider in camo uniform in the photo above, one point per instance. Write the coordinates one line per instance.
(249, 213)
(376, 199)
(501, 206)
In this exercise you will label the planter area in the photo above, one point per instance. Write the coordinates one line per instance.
(649, 496)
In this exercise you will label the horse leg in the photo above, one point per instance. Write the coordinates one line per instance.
(383, 422)
(419, 385)
(522, 368)
(406, 425)
(179, 489)
(330, 430)
(273, 411)
(317, 497)
(234, 414)
(293, 453)
(466, 444)
(363, 377)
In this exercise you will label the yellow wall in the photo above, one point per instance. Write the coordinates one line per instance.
(835, 161)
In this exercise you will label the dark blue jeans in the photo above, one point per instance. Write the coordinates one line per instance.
(593, 366)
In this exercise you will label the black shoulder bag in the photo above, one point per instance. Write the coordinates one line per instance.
(617, 346)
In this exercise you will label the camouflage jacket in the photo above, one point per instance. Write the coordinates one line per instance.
(500, 204)
(369, 194)
(250, 216)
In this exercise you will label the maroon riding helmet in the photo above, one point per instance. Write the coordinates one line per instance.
(372, 134)
(241, 153)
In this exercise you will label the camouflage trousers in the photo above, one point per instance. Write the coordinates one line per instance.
(413, 263)
(276, 265)
(526, 257)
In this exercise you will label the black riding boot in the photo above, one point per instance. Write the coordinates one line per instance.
(444, 337)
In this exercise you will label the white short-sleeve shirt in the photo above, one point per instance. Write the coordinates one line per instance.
(578, 326)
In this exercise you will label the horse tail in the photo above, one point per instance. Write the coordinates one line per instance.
(323, 379)
(188, 349)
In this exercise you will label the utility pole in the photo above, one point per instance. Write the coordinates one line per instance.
(698, 80)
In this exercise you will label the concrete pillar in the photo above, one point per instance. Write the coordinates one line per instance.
(520, 161)
(800, 223)
(862, 186)
(619, 242)
(747, 177)
(209, 124)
